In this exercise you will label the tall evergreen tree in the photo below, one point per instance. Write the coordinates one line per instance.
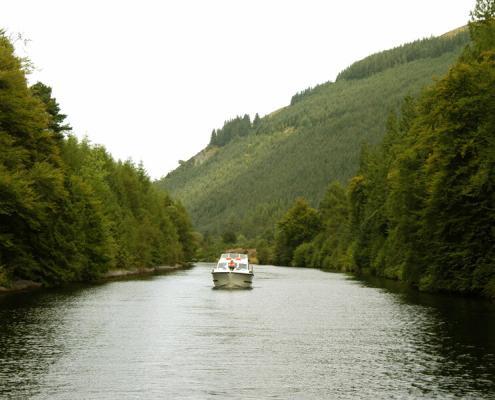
(57, 119)
(213, 138)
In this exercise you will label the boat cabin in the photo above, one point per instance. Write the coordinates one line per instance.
(233, 262)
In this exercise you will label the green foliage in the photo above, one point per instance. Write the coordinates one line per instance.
(57, 124)
(31, 181)
(302, 94)
(239, 126)
(260, 251)
(483, 11)
(265, 251)
(421, 208)
(418, 206)
(145, 226)
(329, 247)
(482, 25)
(68, 211)
(300, 224)
(458, 176)
(255, 177)
(420, 49)
(229, 237)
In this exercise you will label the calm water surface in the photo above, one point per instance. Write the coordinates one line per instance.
(298, 334)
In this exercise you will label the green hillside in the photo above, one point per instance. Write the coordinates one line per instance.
(252, 171)
(420, 208)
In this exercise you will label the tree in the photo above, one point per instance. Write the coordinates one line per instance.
(31, 180)
(459, 180)
(422, 204)
(481, 26)
(256, 121)
(68, 210)
(483, 10)
(213, 138)
(300, 224)
(229, 237)
(184, 229)
(44, 93)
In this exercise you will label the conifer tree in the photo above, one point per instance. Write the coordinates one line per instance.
(213, 138)
(57, 119)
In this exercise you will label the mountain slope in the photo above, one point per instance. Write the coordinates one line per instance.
(248, 181)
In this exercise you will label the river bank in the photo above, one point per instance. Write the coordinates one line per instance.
(23, 285)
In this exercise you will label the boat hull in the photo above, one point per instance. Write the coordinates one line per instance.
(232, 280)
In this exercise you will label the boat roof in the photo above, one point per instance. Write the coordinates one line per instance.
(234, 256)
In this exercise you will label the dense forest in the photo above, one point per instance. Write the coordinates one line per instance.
(252, 171)
(420, 49)
(237, 127)
(68, 210)
(421, 207)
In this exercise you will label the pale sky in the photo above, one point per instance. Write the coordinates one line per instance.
(150, 79)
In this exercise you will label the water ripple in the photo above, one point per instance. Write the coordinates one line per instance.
(299, 334)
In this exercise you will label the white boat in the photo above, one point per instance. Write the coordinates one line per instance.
(233, 271)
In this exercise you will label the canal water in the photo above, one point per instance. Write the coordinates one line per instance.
(298, 334)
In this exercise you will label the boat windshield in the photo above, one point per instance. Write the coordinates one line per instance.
(242, 266)
(234, 256)
(222, 265)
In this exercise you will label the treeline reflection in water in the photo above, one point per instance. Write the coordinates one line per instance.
(458, 332)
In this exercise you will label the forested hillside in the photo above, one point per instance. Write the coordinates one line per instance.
(252, 171)
(422, 206)
(68, 210)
